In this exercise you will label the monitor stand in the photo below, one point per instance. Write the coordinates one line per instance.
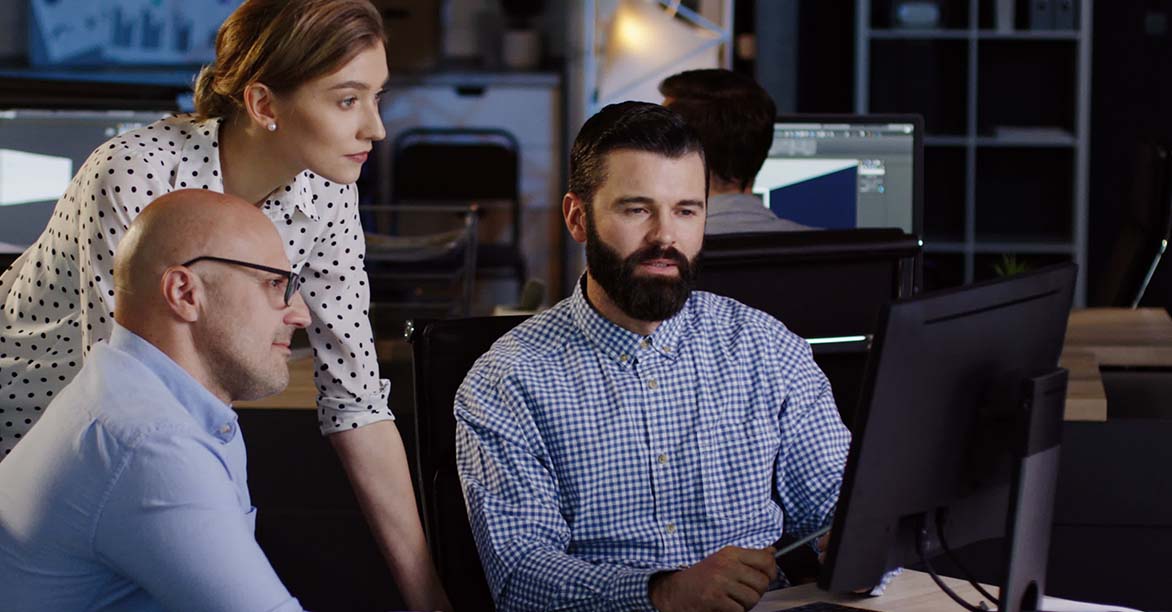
(1031, 501)
(1035, 435)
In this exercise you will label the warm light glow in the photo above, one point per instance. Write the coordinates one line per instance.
(631, 34)
(642, 44)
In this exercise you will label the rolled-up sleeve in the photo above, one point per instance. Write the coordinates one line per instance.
(337, 292)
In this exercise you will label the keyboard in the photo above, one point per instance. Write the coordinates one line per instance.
(822, 606)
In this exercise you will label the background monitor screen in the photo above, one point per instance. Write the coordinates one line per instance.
(845, 172)
(40, 151)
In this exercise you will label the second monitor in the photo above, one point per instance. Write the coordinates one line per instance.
(845, 171)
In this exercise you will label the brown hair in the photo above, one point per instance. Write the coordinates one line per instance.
(732, 114)
(632, 126)
(282, 44)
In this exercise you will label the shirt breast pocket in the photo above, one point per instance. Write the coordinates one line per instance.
(737, 457)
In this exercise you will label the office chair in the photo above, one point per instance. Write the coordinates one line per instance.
(826, 286)
(1144, 233)
(427, 275)
(443, 352)
(462, 166)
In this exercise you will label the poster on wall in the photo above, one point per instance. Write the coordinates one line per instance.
(124, 32)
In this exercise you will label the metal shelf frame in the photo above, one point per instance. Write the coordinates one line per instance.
(971, 141)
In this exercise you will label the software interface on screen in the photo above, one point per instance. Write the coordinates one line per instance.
(40, 150)
(841, 175)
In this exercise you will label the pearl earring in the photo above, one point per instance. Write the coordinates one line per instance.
(272, 126)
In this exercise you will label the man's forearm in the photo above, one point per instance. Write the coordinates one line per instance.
(377, 466)
(549, 579)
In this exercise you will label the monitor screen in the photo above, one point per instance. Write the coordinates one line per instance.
(40, 151)
(845, 172)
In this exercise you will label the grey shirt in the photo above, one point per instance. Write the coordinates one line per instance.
(738, 213)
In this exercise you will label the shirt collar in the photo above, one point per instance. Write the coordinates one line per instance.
(295, 195)
(620, 344)
(201, 139)
(212, 414)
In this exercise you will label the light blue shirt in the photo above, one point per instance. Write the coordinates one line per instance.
(130, 493)
(592, 457)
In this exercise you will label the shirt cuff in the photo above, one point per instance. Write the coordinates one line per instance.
(336, 414)
(630, 590)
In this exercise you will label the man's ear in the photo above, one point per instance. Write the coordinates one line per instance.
(182, 291)
(259, 104)
(574, 211)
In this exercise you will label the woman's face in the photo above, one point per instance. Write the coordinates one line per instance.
(327, 125)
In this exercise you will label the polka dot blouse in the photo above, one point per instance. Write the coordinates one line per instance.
(58, 297)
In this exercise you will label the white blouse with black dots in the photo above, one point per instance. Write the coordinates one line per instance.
(57, 298)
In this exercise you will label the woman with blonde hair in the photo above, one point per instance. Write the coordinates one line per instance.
(284, 119)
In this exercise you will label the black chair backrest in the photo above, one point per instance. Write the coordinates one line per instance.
(458, 165)
(443, 353)
(1146, 223)
(821, 284)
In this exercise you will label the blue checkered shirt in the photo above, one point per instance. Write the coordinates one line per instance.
(592, 457)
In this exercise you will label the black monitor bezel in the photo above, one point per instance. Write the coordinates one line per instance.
(1064, 273)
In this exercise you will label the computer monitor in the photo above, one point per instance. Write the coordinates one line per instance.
(846, 171)
(957, 437)
(40, 151)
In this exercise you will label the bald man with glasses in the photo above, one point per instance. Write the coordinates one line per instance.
(130, 493)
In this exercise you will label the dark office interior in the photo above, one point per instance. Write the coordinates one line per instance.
(1036, 143)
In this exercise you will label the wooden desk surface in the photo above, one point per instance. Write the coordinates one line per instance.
(910, 591)
(1097, 337)
(300, 394)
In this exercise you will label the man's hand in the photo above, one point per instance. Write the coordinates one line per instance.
(823, 543)
(731, 579)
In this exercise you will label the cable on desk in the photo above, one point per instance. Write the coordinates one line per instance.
(922, 549)
(941, 517)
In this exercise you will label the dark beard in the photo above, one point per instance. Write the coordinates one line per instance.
(641, 298)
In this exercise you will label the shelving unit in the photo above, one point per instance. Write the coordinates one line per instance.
(1007, 121)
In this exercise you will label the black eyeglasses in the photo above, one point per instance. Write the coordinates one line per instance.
(291, 287)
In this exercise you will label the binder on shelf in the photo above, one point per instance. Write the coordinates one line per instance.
(1042, 14)
(1006, 12)
(1064, 14)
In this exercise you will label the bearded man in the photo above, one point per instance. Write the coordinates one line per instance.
(640, 445)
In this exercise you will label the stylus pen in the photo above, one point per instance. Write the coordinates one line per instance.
(802, 542)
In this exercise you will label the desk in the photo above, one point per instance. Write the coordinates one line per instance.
(910, 591)
(1097, 337)
(309, 523)
(300, 394)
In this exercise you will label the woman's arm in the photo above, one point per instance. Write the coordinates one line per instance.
(377, 466)
(352, 400)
